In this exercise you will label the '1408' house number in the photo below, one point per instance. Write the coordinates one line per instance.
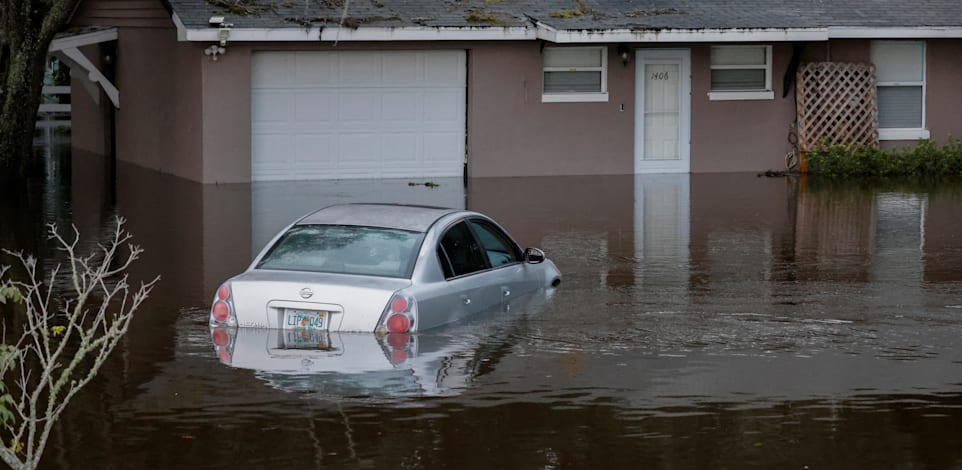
(660, 75)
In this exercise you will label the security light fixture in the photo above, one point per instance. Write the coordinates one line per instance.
(624, 53)
(214, 50)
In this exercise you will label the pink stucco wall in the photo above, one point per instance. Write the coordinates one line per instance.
(226, 120)
(943, 93)
(512, 133)
(159, 123)
(749, 135)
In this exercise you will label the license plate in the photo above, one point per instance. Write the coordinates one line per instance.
(307, 319)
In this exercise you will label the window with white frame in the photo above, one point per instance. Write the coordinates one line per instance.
(900, 82)
(575, 74)
(741, 73)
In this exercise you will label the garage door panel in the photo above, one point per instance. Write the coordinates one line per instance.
(400, 69)
(443, 106)
(314, 107)
(441, 147)
(358, 106)
(442, 69)
(400, 149)
(315, 152)
(359, 149)
(400, 106)
(311, 68)
(359, 68)
(270, 70)
(278, 146)
(270, 107)
(358, 114)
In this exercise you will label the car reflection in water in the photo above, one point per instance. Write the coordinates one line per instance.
(365, 366)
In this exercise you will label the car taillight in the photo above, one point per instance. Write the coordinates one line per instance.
(224, 292)
(400, 315)
(222, 310)
(398, 323)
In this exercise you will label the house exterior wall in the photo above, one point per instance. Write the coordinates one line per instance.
(943, 93)
(128, 13)
(89, 120)
(159, 123)
(512, 133)
(740, 135)
(185, 114)
(226, 120)
(943, 96)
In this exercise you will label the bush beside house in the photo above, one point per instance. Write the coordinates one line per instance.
(925, 159)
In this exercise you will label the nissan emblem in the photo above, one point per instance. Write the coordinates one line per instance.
(306, 293)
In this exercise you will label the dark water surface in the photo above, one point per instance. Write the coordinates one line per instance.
(704, 321)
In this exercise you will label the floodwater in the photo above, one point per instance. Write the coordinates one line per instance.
(704, 321)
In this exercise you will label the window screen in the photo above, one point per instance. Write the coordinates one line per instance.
(900, 78)
(740, 68)
(574, 70)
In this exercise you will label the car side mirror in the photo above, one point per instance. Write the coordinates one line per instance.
(533, 256)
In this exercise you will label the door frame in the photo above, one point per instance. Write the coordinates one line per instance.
(682, 57)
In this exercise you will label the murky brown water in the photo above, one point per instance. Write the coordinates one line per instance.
(705, 321)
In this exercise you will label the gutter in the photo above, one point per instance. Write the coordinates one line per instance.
(542, 31)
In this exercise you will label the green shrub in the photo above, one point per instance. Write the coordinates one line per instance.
(924, 159)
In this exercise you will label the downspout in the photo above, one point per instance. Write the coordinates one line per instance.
(793, 158)
(109, 64)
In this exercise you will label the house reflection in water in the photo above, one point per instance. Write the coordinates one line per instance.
(693, 236)
(683, 236)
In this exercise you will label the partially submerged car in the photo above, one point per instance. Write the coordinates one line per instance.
(381, 268)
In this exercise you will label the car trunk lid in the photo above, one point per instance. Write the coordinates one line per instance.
(348, 302)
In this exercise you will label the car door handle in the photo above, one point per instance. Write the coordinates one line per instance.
(466, 300)
(505, 291)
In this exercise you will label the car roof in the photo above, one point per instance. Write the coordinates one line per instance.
(396, 216)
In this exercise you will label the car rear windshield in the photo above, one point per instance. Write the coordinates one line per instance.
(369, 251)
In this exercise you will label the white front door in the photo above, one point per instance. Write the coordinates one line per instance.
(662, 110)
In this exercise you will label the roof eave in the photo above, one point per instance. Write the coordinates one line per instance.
(561, 36)
(907, 32)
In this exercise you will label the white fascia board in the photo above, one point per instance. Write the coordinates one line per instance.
(181, 29)
(331, 34)
(895, 33)
(683, 35)
(85, 39)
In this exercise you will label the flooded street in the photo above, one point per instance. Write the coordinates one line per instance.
(704, 321)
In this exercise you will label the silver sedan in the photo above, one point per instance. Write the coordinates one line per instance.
(381, 268)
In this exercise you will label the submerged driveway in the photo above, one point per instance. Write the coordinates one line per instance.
(704, 321)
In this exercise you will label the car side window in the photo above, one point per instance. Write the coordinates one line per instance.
(445, 263)
(462, 251)
(498, 247)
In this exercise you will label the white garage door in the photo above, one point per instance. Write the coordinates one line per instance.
(332, 115)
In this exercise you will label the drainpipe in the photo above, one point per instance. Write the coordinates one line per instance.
(109, 61)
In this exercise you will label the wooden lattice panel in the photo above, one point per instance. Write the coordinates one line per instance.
(837, 104)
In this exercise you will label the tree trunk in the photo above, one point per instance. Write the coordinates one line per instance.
(28, 27)
(18, 116)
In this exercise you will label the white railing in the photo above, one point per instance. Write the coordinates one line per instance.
(54, 114)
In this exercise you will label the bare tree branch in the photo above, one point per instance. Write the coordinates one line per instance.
(62, 347)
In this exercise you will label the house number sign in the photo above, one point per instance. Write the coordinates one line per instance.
(660, 76)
